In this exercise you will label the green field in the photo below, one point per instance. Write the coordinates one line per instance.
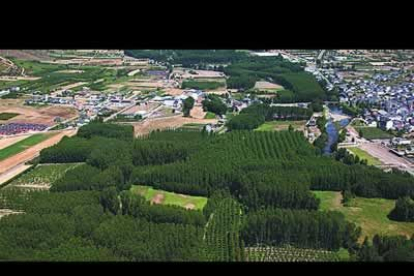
(7, 116)
(170, 198)
(373, 133)
(44, 174)
(365, 155)
(23, 145)
(368, 213)
(202, 85)
(280, 125)
(210, 115)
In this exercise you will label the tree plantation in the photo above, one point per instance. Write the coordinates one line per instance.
(258, 184)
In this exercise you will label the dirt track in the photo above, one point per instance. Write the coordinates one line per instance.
(20, 158)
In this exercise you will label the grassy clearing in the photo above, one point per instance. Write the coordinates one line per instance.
(170, 198)
(210, 115)
(373, 133)
(365, 155)
(368, 213)
(280, 125)
(44, 174)
(7, 116)
(23, 145)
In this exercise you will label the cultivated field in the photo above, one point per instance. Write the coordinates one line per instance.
(265, 85)
(24, 144)
(7, 116)
(368, 213)
(281, 125)
(35, 115)
(292, 254)
(31, 152)
(168, 198)
(145, 127)
(198, 73)
(43, 176)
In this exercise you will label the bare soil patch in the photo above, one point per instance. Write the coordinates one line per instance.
(190, 206)
(158, 199)
(197, 112)
(43, 115)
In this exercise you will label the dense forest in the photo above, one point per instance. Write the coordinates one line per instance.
(189, 58)
(258, 186)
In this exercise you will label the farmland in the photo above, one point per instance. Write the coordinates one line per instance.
(7, 116)
(366, 156)
(168, 198)
(23, 145)
(281, 125)
(42, 176)
(368, 213)
(202, 85)
(292, 254)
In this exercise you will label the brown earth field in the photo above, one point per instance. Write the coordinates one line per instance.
(197, 112)
(145, 127)
(27, 54)
(43, 115)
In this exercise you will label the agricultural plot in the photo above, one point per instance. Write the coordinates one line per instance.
(368, 213)
(192, 127)
(42, 176)
(169, 198)
(267, 87)
(373, 133)
(23, 145)
(202, 85)
(292, 254)
(7, 116)
(281, 125)
(366, 156)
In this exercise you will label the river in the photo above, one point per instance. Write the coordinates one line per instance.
(331, 129)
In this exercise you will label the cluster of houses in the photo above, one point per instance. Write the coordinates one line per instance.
(389, 96)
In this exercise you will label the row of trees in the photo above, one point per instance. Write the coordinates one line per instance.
(222, 235)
